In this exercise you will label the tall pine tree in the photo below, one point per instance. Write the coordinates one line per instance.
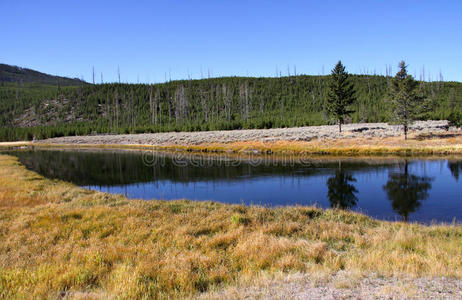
(341, 95)
(404, 98)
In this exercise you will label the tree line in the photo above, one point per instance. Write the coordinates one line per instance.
(30, 110)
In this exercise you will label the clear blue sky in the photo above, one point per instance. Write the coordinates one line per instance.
(151, 39)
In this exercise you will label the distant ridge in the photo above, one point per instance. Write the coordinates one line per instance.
(10, 73)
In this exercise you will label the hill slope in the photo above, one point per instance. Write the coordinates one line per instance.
(23, 75)
(42, 110)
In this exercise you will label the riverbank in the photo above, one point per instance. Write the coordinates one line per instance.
(425, 138)
(61, 240)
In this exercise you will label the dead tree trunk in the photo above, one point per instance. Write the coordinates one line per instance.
(151, 107)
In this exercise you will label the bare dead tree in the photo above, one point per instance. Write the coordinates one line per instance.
(228, 101)
(154, 104)
(181, 104)
(248, 101)
(169, 105)
(151, 104)
(440, 81)
(157, 108)
(126, 107)
(262, 99)
(452, 99)
(244, 99)
(116, 108)
(215, 98)
(210, 97)
(281, 107)
(131, 111)
(242, 96)
(93, 74)
(262, 105)
(108, 112)
(118, 72)
(369, 86)
(205, 104)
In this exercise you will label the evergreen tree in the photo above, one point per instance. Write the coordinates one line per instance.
(405, 101)
(341, 95)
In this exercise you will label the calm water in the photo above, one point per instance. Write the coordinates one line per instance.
(393, 189)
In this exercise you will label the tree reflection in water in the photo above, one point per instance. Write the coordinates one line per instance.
(341, 191)
(406, 191)
(455, 167)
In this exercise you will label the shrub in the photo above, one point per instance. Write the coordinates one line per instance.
(238, 219)
(455, 119)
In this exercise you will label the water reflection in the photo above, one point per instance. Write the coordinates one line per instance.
(115, 168)
(384, 188)
(341, 191)
(455, 167)
(407, 191)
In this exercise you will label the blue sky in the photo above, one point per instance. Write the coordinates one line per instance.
(154, 40)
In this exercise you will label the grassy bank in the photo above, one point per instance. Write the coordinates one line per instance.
(417, 144)
(58, 238)
(6, 145)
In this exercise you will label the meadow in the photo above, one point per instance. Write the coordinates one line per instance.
(59, 240)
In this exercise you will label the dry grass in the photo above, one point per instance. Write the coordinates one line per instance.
(417, 144)
(14, 144)
(58, 239)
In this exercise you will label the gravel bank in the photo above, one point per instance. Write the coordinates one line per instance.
(345, 286)
(265, 135)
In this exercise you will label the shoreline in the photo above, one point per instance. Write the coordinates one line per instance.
(425, 138)
(75, 241)
(352, 147)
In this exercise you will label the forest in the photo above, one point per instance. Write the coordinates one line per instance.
(37, 110)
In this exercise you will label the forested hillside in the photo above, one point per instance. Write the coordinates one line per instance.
(29, 109)
(22, 75)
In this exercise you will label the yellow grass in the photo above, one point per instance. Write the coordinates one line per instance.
(15, 144)
(58, 239)
(417, 144)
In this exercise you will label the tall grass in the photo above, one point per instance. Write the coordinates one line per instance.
(58, 240)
